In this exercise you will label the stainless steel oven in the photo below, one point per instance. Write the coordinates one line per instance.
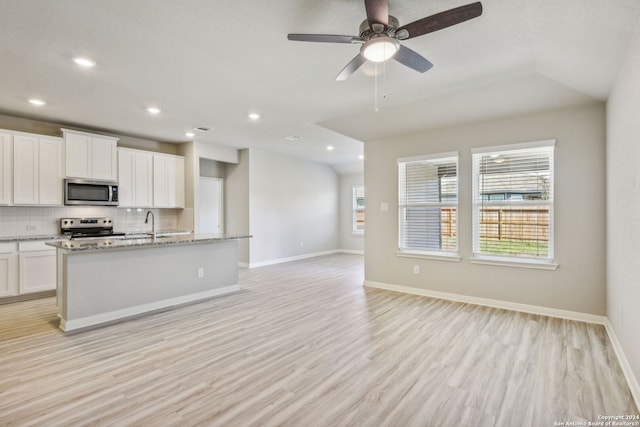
(88, 228)
(90, 192)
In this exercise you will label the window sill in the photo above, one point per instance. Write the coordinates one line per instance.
(430, 255)
(514, 262)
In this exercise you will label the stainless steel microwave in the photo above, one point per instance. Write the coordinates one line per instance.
(90, 192)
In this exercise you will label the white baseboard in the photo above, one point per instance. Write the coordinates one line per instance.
(298, 257)
(293, 258)
(634, 386)
(632, 381)
(513, 306)
(122, 314)
(350, 251)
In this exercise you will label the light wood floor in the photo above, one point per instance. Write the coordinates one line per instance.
(306, 345)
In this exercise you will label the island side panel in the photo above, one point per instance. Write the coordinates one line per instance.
(105, 285)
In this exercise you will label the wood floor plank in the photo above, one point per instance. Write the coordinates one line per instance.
(304, 344)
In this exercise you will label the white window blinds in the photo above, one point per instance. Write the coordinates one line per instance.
(513, 201)
(428, 204)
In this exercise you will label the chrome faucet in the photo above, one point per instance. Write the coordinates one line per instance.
(153, 223)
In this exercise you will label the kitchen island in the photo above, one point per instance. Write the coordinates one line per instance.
(107, 280)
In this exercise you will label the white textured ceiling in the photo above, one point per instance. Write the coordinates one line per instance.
(209, 63)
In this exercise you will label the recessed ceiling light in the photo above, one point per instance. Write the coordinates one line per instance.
(84, 62)
(37, 102)
(361, 156)
(189, 134)
(153, 110)
(254, 116)
(330, 147)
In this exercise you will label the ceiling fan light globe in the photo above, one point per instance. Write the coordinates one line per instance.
(380, 49)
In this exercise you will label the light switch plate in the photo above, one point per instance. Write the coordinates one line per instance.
(384, 207)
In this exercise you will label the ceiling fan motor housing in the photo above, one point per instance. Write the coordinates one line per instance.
(366, 32)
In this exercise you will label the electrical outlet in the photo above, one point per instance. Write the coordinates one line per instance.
(416, 269)
(301, 244)
(200, 273)
(32, 228)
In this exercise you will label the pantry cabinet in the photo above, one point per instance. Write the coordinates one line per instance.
(135, 178)
(37, 170)
(90, 156)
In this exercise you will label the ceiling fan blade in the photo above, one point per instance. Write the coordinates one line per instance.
(412, 59)
(351, 67)
(324, 38)
(439, 21)
(377, 13)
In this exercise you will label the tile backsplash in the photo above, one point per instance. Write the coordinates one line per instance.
(33, 221)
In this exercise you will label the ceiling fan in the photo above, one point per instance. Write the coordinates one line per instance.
(380, 35)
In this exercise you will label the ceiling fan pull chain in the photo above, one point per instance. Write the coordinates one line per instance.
(375, 88)
(384, 80)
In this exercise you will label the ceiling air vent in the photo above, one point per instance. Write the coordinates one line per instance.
(292, 138)
(202, 129)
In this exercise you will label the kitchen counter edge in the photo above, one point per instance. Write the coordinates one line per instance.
(111, 244)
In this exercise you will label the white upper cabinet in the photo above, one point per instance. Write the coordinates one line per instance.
(26, 175)
(90, 156)
(50, 166)
(168, 181)
(135, 178)
(6, 169)
(37, 170)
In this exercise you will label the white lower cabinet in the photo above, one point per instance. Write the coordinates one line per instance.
(8, 270)
(37, 267)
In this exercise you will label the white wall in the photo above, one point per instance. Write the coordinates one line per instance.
(623, 206)
(237, 202)
(579, 282)
(348, 240)
(212, 168)
(293, 205)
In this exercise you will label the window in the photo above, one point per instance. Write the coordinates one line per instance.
(513, 202)
(358, 209)
(428, 204)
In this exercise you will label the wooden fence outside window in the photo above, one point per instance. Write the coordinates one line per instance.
(526, 224)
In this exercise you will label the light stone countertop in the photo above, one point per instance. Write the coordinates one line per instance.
(164, 240)
(8, 239)
(45, 237)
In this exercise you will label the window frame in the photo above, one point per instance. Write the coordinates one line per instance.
(355, 209)
(548, 262)
(429, 254)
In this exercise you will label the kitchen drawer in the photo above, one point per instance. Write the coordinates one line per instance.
(8, 248)
(34, 246)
